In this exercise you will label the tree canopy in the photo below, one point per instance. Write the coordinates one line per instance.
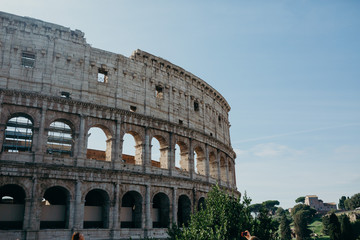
(300, 200)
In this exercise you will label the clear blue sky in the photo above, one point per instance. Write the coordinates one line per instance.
(290, 70)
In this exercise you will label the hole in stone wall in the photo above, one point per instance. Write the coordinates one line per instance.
(28, 60)
(102, 75)
(132, 109)
(65, 94)
(196, 106)
(159, 91)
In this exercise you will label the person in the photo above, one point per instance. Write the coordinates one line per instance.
(249, 237)
(77, 236)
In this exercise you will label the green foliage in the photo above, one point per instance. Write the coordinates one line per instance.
(301, 220)
(341, 204)
(346, 228)
(264, 226)
(255, 208)
(223, 218)
(308, 211)
(334, 228)
(300, 200)
(326, 223)
(285, 231)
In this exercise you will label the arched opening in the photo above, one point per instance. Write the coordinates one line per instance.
(159, 152)
(181, 156)
(55, 207)
(60, 139)
(12, 206)
(160, 211)
(132, 149)
(184, 211)
(213, 165)
(231, 173)
(96, 209)
(223, 169)
(18, 135)
(99, 144)
(131, 210)
(199, 160)
(201, 204)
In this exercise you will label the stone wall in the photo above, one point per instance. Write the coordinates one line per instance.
(54, 87)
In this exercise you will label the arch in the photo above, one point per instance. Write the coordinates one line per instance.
(18, 135)
(60, 138)
(199, 161)
(159, 152)
(96, 209)
(131, 210)
(12, 206)
(184, 211)
(132, 155)
(99, 143)
(181, 156)
(214, 167)
(161, 210)
(201, 204)
(55, 208)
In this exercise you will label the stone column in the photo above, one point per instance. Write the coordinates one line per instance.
(207, 164)
(227, 172)
(191, 159)
(40, 145)
(78, 207)
(218, 165)
(117, 146)
(2, 126)
(171, 155)
(115, 213)
(174, 205)
(31, 213)
(148, 217)
(80, 145)
(146, 156)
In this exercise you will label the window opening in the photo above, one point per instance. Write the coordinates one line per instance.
(65, 94)
(196, 106)
(159, 91)
(181, 122)
(18, 135)
(59, 139)
(102, 75)
(132, 109)
(28, 60)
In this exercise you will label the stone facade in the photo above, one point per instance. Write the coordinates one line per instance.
(316, 203)
(55, 87)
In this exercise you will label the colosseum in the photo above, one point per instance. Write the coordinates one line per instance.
(54, 89)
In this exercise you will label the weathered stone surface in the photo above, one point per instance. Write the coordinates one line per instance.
(49, 74)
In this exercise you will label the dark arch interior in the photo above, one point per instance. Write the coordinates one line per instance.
(184, 210)
(132, 210)
(12, 203)
(96, 209)
(161, 203)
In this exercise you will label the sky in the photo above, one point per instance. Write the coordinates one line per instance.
(290, 71)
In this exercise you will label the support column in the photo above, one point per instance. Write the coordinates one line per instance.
(174, 206)
(146, 156)
(227, 172)
(78, 207)
(115, 213)
(31, 214)
(218, 165)
(80, 145)
(191, 159)
(148, 218)
(171, 155)
(40, 145)
(117, 147)
(2, 126)
(207, 164)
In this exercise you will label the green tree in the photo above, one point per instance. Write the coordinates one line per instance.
(285, 231)
(224, 217)
(310, 212)
(270, 205)
(300, 200)
(265, 226)
(355, 201)
(255, 208)
(346, 228)
(301, 220)
(334, 228)
(341, 204)
(325, 222)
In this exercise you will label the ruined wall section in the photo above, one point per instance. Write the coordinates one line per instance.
(65, 65)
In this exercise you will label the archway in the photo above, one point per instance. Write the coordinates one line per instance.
(131, 210)
(161, 209)
(96, 209)
(99, 144)
(12, 206)
(184, 211)
(55, 207)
